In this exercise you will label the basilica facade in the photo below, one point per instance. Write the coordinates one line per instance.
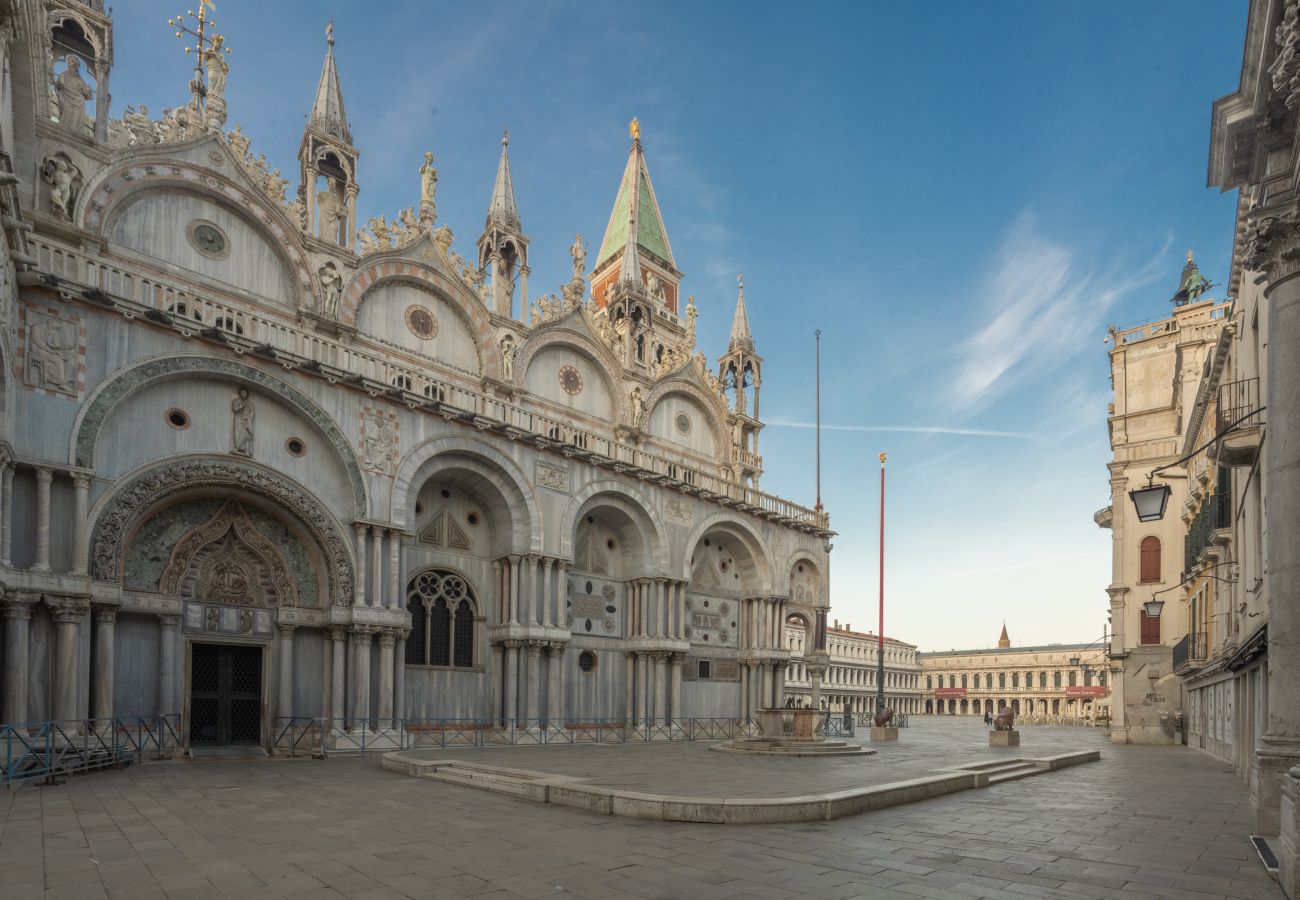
(262, 460)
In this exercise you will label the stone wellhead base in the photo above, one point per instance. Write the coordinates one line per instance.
(780, 747)
(564, 790)
(884, 733)
(1004, 738)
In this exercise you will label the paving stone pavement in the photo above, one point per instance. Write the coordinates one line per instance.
(1144, 822)
(690, 768)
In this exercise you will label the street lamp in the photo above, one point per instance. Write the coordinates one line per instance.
(1074, 661)
(1152, 608)
(1150, 501)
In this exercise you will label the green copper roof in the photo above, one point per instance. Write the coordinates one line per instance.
(650, 233)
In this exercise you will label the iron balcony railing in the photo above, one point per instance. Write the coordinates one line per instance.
(1189, 651)
(1239, 403)
(1215, 513)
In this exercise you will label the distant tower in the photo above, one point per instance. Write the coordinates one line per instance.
(635, 281)
(328, 183)
(1004, 641)
(739, 369)
(503, 248)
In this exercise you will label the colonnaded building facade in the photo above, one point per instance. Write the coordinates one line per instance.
(1053, 681)
(260, 461)
(849, 681)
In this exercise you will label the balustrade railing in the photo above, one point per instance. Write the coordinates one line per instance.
(303, 736)
(1238, 403)
(273, 337)
(46, 750)
(1190, 650)
(1215, 513)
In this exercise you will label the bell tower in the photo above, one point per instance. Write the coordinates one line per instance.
(328, 185)
(739, 369)
(503, 248)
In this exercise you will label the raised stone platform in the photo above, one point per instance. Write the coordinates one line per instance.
(1004, 738)
(569, 790)
(884, 733)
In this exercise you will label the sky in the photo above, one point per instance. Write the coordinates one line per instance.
(961, 197)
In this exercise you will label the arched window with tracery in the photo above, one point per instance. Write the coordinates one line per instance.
(439, 637)
(1150, 556)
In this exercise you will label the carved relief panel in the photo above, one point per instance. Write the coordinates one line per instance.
(53, 351)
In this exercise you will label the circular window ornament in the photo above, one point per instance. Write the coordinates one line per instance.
(570, 380)
(208, 238)
(586, 661)
(295, 446)
(683, 423)
(177, 418)
(421, 322)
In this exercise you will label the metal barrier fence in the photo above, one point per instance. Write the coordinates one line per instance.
(307, 736)
(32, 750)
(864, 720)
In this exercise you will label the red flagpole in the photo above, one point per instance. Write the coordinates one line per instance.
(880, 637)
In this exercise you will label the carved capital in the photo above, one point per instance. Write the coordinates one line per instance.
(82, 481)
(286, 631)
(105, 613)
(512, 644)
(169, 620)
(387, 637)
(18, 604)
(338, 632)
(363, 634)
(1272, 241)
(44, 475)
(67, 610)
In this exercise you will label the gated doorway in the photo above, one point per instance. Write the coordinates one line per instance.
(225, 695)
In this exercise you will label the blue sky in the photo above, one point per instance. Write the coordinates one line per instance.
(960, 196)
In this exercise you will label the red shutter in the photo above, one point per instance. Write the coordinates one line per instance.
(1150, 628)
(1150, 554)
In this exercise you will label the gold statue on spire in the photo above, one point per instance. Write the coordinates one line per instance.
(1189, 254)
(634, 129)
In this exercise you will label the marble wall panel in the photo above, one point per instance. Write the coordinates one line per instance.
(549, 377)
(308, 662)
(677, 410)
(135, 666)
(417, 320)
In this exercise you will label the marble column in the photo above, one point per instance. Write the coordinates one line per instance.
(561, 593)
(399, 678)
(661, 688)
(67, 614)
(744, 689)
(360, 579)
(284, 649)
(167, 680)
(497, 681)
(376, 566)
(6, 514)
(532, 613)
(362, 637)
(387, 638)
(642, 688)
(514, 591)
(395, 591)
(675, 679)
(629, 687)
(105, 628)
(779, 690)
(661, 613)
(548, 614)
(81, 523)
(17, 608)
(555, 681)
(512, 681)
(1275, 781)
(326, 675)
(43, 479)
(533, 683)
(338, 673)
(500, 598)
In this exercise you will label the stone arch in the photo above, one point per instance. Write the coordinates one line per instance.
(680, 384)
(147, 488)
(790, 574)
(596, 353)
(739, 529)
(208, 548)
(427, 458)
(94, 412)
(110, 190)
(632, 502)
(400, 270)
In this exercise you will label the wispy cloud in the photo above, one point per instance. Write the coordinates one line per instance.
(915, 429)
(1041, 306)
(1010, 567)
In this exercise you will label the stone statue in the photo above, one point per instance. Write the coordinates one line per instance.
(73, 94)
(579, 254)
(1005, 719)
(241, 429)
(140, 129)
(379, 444)
(331, 210)
(218, 69)
(508, 351)
(51, 354)
(239, 143)
(652, 286)
(443, 238)
(884, 718)
(638, 406)
(331, 289)
(367, 242)
(691, 315)
(60, 175)
(428, 187)
(410, 226)
(384, 237)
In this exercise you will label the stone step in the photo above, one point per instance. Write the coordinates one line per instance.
(1011, 773)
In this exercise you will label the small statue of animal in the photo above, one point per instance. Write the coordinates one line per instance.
(1005, 719)
(884, 717)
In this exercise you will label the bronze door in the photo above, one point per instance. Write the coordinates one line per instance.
(225, 695)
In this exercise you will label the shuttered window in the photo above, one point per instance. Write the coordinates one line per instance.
(1150, 555)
